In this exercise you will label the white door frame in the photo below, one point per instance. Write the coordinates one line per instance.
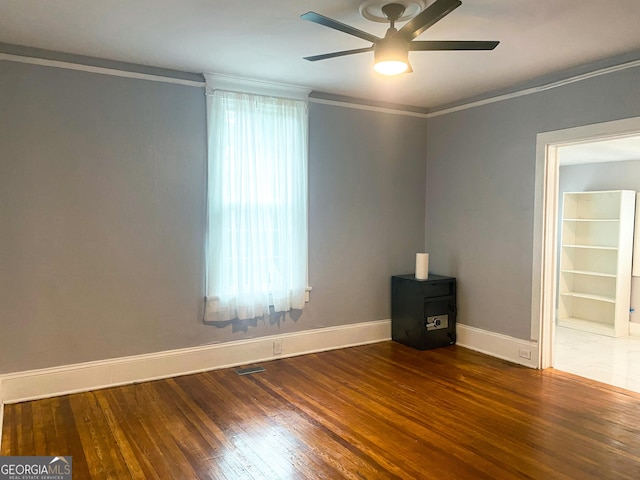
(545, 222)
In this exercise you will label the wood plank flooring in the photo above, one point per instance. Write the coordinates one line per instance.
(381, 411)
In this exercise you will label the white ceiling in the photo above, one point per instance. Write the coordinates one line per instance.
(610, 150)
(267, 40)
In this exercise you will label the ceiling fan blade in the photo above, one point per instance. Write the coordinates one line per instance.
(452, 45)
(428, 17)
(315, 58)
(331, 23)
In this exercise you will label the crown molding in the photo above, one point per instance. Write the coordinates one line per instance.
(371, 108)
(217, 81)
(100, 70)
(537, 89)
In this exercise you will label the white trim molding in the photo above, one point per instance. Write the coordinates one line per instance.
(257, 86)
(49, 382)
(370, 108)
(540, 88)
(545, 212)
(100, 70)
(216, 81)
(497, 345)
(63, 380)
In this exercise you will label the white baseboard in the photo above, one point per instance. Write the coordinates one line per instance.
(49, 382)
(497, 345)
(634, 328)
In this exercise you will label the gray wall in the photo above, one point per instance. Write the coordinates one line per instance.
(102, 207)
(366, 210)
(624, 175)
(480, 191)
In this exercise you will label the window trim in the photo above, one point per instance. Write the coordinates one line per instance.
(216, 81)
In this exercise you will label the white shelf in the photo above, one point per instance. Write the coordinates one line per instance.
(591, 219)
(592, 247)
(587, 326)
(590, 296)
(595, 261)
(589, 272)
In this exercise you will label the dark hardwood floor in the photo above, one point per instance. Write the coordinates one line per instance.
(375, 412)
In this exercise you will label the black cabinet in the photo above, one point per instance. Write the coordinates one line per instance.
(423, 312)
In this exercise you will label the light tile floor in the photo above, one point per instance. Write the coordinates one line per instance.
(615, 361)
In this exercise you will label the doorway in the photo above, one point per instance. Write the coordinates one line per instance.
(600, 351)
(551, 147)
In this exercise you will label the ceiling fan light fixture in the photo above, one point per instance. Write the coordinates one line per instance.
(391, 67)
(391, 56)
(391, 53)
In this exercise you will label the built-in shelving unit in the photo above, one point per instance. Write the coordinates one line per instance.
(595, 261)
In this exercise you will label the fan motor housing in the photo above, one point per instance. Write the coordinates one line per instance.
(373, 9)
(391, 46)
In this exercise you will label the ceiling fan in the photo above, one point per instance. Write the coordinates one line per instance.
(391, 53)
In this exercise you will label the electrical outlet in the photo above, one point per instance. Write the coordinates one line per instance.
(524, 353)
(277, 347)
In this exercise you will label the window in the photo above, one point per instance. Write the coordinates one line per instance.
(257, 205)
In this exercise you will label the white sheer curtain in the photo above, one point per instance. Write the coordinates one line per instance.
(257, 205)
